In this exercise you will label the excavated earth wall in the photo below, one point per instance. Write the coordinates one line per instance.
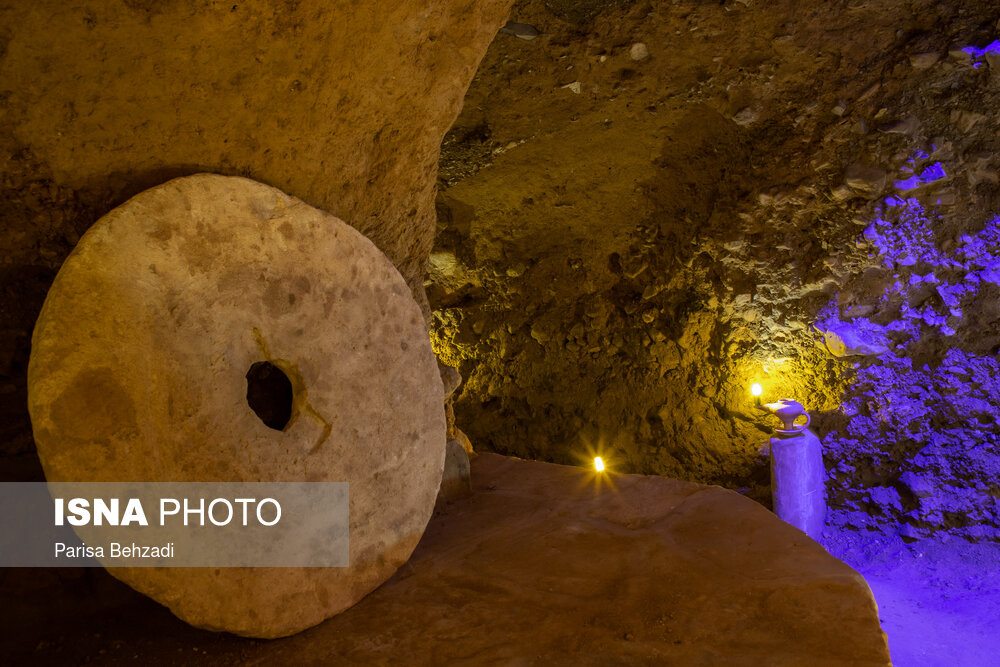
(651, 205)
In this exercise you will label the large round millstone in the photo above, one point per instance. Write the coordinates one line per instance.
(169, 346)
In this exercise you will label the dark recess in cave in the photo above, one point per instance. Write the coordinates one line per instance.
(269, 394)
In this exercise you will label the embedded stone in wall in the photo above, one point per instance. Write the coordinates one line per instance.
(215, 329)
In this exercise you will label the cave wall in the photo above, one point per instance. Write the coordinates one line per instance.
(343, 105)
(649, 207)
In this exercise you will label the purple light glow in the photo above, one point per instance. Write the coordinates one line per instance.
(992, 47)
(921, 430)
(930, 174)
(943, 411)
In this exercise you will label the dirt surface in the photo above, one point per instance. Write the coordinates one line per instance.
(543, 564)
(644, 211)
(938, 598)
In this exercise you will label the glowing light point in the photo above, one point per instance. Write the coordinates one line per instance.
(756, 389)
(598, 464)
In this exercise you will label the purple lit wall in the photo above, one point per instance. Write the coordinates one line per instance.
(921, 431)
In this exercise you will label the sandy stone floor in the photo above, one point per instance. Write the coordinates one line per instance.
(543, 564)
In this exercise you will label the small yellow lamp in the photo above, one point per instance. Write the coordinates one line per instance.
(756, 390)
(598, 464)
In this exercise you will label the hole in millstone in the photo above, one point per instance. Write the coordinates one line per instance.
(269, 394)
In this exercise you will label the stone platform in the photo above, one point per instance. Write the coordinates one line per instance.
(549, 565)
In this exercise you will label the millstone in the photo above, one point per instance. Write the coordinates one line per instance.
(174, 322)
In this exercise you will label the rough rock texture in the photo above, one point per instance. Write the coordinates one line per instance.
(342, 105)
(548, 565)
(802, 198)
(138, 368)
